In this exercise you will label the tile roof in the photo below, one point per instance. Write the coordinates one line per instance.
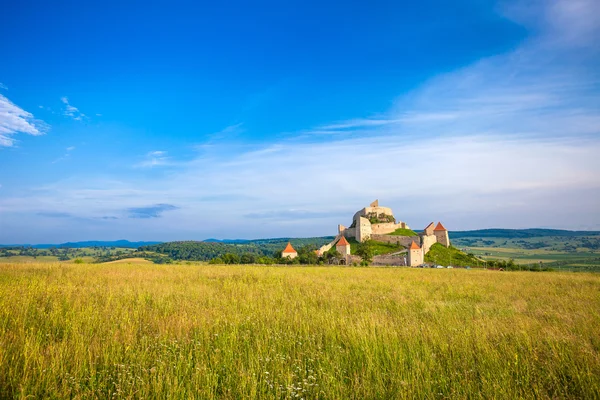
(289, 249)
(342, 242)
(414, 246)
(440, 227)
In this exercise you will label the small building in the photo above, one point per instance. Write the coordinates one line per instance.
(441, 235)
(415, 255)
(343, 247)
(289, 252)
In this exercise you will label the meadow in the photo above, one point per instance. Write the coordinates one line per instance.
(140, 330)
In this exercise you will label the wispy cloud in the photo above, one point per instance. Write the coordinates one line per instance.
(154, 159)
(66, 155)
(72, 111)
(154, 211)
(14, 119)
(2, 86)
(54, 214)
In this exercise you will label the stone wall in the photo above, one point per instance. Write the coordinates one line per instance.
(349, 233)
(383, 228)
(427, 241)
(442, 238)
(402, 240)
(323, 249)
(384, 259)
(429, 229)
(363, 229)
(377, 210)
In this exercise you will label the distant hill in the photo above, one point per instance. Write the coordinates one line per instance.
(211, 248)
(91, 243)
(480, 233)
(519, 233)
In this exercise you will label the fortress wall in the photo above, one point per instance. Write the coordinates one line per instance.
(363, 229)
(427, 241)
(349, 232)
(403, 240)
(388, 227)
(384, 228)
(325, 248)
(378, 210)
(353, 259)
(389, 260)
(442, 238)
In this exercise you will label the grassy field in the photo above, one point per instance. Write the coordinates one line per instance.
(130, 330)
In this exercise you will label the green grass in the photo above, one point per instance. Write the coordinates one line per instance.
(403, 232)
(449, 256)
(186, 331)
(379, 248)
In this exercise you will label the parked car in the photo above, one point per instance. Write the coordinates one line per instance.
(440, 266)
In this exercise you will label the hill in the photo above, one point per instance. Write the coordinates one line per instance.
(79, 245)
(519, 233)
(441, 255)
(208, 250)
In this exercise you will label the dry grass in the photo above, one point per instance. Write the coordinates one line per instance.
(133, 260)
(134, 330)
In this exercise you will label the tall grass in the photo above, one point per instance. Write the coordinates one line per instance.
(133, 331)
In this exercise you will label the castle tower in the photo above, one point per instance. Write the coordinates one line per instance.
(428, 231)
(415, 255)
(343, 247)
(289, 252)
(441, 234)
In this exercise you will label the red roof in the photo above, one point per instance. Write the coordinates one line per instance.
(289, 249)
(440, 227)
(414, 246)
(342, 242)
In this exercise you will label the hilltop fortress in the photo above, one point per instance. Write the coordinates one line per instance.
(379, 224)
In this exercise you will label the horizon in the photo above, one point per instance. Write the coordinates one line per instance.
(261, 238)
(185, 121)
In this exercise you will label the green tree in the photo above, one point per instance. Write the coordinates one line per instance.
(365, 250)
(229, 258)
(247, 259)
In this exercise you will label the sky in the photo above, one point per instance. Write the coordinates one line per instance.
(192, 120)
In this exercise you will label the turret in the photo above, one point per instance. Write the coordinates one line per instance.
(289, 252)
(441, 235)
(343, 247)
(415, 255)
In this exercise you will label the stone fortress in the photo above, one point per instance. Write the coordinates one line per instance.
(378, 223)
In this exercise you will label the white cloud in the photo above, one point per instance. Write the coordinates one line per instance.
(71, 111)
(308, 188)
(14, 119)
(154, 159)
(70, 148)
(2, 86)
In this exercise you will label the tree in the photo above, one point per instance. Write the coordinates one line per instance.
(229, 258)
(248, 259)
(332, 254)
(365, 250)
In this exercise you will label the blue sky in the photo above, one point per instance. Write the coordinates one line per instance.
(188, 120)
